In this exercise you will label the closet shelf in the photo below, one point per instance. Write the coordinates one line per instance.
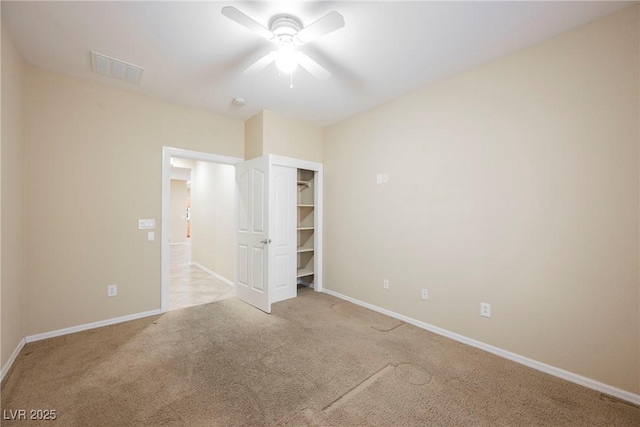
(302, 272)
(306, 218)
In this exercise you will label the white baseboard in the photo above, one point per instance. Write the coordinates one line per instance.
(93, 325)
(7, 366)
(552, 370)
(214, 274)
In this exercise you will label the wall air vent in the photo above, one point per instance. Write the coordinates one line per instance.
(115, 68)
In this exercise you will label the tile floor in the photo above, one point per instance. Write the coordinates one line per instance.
(189, 285)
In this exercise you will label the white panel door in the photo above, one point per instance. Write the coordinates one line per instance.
(283, 216)
(252, 241)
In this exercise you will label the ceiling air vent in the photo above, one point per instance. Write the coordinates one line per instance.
(115, 68)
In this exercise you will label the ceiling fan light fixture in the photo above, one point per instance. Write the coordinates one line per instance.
(287, 33)
(286, 59)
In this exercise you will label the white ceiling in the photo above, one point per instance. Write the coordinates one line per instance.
(192, 55)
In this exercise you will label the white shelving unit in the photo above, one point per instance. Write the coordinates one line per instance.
(306, 228)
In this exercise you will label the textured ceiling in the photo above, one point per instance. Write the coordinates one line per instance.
(194, 56)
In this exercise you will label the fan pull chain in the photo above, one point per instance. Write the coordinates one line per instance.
(291, 86)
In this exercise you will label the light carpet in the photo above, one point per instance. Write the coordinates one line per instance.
(316, 360)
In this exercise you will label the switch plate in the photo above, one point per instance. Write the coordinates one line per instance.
(385, 178)
(379, 178)
(425, 294)
(485, 309)
(385, 283)
(151, 236)
(112, 290)
(146, 224)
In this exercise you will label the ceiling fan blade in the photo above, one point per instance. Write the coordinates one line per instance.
(247, 22)
(315, 69)
(328, 23)
(260, 64)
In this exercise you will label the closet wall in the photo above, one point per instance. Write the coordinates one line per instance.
(271, 133)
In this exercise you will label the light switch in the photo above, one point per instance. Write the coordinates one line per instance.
(151, 236)
(146, 224)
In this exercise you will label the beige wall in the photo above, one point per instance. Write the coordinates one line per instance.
(290, 138)
(253, 136)
(12, 210)
(105, 144)
(515, 184)
(213, 218)
(271, 133)
(179, 194)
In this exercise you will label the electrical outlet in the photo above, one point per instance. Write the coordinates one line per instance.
(385, 283)
(425, 294)
(112, 290)
(485, 309)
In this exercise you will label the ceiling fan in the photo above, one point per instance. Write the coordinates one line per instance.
(287, 33)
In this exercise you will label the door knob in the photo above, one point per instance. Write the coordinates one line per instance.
(265, 241)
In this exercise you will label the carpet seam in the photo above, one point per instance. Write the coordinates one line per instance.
(378, 372)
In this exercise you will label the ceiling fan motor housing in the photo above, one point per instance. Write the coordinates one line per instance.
(285, 27)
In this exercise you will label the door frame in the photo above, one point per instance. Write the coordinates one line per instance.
(165, 257)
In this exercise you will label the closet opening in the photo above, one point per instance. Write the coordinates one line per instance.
(306, 229)
(279, 239)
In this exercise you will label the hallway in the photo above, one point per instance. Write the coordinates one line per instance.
(190, 285)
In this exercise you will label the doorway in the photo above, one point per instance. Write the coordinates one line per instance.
(201, 268)
(197, 260)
